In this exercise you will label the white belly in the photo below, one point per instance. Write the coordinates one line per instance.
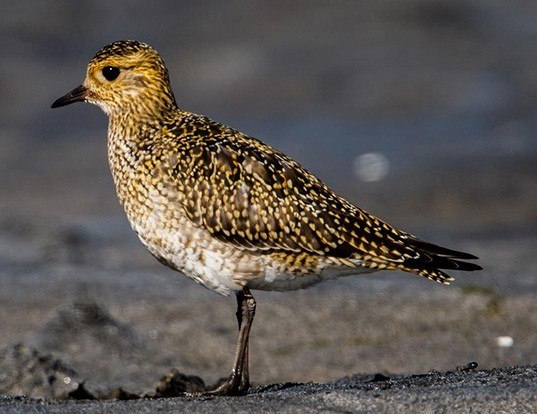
(224, 268)
(173, 239)
(193, 252)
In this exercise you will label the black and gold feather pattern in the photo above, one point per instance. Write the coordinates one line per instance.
(231, 195)
(255, 198)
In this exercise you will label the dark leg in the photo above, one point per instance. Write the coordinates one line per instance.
(238, 382)
(244, 308)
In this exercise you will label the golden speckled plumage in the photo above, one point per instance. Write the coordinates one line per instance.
(271, 222)
(226, 209)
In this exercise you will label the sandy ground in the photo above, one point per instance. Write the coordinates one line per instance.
(506, 390)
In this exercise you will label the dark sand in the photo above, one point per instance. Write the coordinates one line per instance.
(506, 390)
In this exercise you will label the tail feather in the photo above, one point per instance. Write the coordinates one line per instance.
(430, 258)
(439, 250)
(432, 274)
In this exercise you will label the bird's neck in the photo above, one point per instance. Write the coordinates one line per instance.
(131, 138)
(133, 122)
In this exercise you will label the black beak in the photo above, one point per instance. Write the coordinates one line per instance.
(76, 95)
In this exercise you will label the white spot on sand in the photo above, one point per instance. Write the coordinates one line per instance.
(505, 341)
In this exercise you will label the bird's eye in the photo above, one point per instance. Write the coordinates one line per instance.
(110, 73)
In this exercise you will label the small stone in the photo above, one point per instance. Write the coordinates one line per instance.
(176, 383)
(505, 341)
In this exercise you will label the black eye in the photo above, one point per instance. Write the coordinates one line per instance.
(110, 72)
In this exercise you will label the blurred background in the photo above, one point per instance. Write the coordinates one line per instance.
(422, 112)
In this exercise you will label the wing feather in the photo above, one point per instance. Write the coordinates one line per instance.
(249, 195)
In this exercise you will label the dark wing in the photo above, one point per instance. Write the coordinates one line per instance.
(247, 194)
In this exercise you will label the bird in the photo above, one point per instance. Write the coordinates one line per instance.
(228, 210)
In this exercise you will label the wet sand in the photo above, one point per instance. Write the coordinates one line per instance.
(508, 390)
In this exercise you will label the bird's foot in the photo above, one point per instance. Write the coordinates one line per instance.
(234, 385)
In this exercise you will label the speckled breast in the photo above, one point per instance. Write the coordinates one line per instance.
(162, 226)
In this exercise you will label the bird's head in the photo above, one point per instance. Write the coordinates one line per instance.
(125, 76)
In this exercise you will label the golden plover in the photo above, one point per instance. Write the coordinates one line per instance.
(226, 209)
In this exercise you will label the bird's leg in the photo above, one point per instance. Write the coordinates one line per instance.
(248, 305)
(238, 382)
